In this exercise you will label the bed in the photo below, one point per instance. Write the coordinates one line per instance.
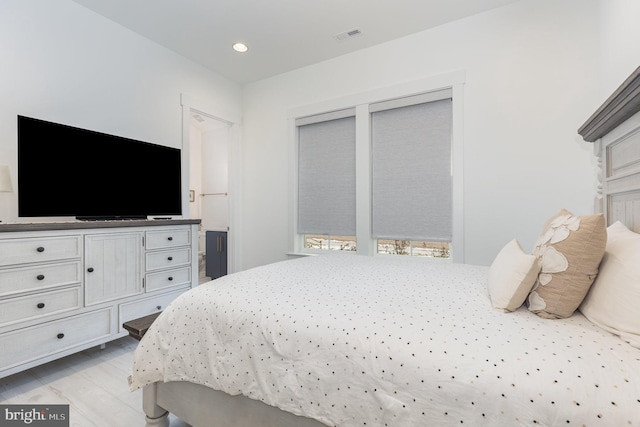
(348, 340)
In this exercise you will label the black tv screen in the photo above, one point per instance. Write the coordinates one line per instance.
(68, 171)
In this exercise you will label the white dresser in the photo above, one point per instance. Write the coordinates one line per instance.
(65, 287)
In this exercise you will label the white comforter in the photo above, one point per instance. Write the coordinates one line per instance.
(385, 341)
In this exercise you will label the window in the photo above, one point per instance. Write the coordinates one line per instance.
(326, 180)
(389, 177)
(411, 174)
(331, 243)
(414, 248)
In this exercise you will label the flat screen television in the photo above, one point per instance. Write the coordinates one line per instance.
(67, 171)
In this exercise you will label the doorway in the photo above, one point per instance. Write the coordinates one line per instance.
(209, 198)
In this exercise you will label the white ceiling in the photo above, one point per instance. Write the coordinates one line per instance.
(282, 35)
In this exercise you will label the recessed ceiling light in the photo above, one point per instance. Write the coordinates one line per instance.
(240, 47)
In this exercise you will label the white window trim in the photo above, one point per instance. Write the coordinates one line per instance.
(365, 243)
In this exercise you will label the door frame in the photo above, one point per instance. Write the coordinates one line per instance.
(191, 105)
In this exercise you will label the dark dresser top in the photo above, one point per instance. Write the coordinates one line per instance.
(79, 225)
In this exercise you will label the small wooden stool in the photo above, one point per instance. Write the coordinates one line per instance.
(138, 327)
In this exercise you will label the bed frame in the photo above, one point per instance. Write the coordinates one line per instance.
(205, 407)
(615, 131)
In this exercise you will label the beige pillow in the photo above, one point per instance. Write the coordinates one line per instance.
(511, 277)
(570, 250)
(614, 299)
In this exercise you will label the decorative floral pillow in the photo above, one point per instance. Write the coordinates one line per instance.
(570, 250)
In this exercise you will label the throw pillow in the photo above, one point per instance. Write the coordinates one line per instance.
(511, 277)
(613, 301)
(570, 250)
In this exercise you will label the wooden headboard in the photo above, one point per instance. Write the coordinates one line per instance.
(615, 131)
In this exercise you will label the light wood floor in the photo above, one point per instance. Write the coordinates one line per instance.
(92, 382)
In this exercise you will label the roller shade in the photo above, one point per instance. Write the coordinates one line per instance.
(411, 171)
(327, 175)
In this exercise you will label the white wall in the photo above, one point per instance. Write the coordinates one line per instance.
(195, 169)
(620, 54)
(215, 179)
(532, 78)
(63, 63)
(535, 70)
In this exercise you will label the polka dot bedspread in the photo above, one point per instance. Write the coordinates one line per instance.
(383, 341)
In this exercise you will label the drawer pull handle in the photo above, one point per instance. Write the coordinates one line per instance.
(159, 307)
(170, 278)
(40, 305)
(40, 277)
(40, 249)
(60, 336)
(170, 258)
(169, 238)
(90, 269)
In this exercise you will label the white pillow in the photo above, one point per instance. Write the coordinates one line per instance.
(613, 301)
(511, 277)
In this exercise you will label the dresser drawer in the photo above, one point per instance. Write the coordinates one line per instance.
(144, 307)
(38, 277)
(28, 344)
(166, 259)
(27, 250)
(39, 305)
(168, 238)
(166, 278)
